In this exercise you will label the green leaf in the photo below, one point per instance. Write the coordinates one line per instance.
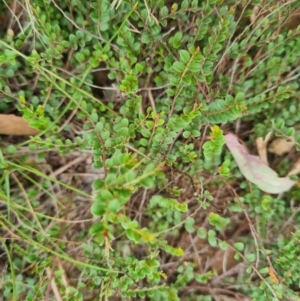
(143, 142)
(174, 7)
(146, 133)
(176, 40)
(80, 57)
(266, 202)
(147, 182)
(217, 47)
(146, 38)
(59, 273)
(139, 67)
(133, 235)
(98, 209)
(184, 56)
(185, 4)
(10, 54)
(189, 225)
(116, 159)
(239, 246)
(130, 176)
(96, 228)
(149, 124)
(174, 251)
(223, 245)
(168, 203)
(194, 67)
(170, 92)
(130, 225)
(174, 80)
(11, 149)
(198, 58)
(249, 270)
(250, 257)
(180, 207)
(103, 195)
(264, 271)
(217, 221)
(114, 206)
(280, 123)
(178, 67)
(186, 134)
(202, 232)
(187, 79)
(212, 238)
(73, 39)
(239, 97)
(290, 131)
(195, 3)
(163, 11)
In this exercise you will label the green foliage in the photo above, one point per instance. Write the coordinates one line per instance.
(164, 184)
(217, 221)
(168, 203)
(213, 148)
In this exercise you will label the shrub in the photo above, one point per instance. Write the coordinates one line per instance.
(166, 194)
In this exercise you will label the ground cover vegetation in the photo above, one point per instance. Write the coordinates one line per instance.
(123, 188)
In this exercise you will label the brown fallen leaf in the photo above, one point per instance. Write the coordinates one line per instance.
(279, 146)
(15, 125)
(255, 13)
(223, 261)
(273, 275)
(261, 145)
(293, 20)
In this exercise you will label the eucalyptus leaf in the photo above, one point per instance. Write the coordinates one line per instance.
(255, 170)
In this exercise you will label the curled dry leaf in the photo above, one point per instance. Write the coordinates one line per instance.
(293, 21)
(15, 125)
(255, 170)
(255, 13)
(273, 275)
(279, 146)
(261, 145)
